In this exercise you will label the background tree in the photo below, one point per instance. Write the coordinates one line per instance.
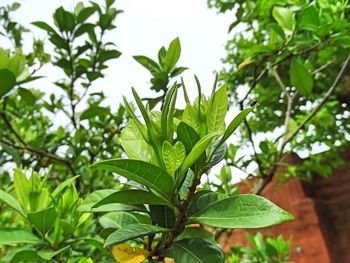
(29, 133)
(291, 57)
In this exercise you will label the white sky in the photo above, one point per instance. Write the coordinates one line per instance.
(142, 29)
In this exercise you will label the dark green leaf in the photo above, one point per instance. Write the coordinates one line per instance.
(196, 232)
(141, 172)
(85, 14)
(43, 220)
(7, 81)
(301, 78)
(195, 250)
(133, 231)
(162, 215)
(132, 197)
(45, 27)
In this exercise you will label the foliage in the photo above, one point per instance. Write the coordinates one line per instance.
(29, 133)
(48, 225)
(160, 210)
(172, 154)
(290, 56)
(262, 250)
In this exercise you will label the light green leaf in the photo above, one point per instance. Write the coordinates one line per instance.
(172, 55)
(141, 172)
(241, 211)
(117, 219)
(133, 231)
(11, 236)
(173, 156)
(195, 250)
(134, 145)
(217, 110)
(43, 220)
(132, 197)
(63, 185)
(198, 150)
(49, 254)
(301, 78)
(11, 202)
(234, 125)
(285, 18)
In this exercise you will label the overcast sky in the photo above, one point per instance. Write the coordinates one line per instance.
(142, 29)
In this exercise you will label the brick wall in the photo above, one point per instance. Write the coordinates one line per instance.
(321, 229)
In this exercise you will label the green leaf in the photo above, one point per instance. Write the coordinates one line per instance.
(117, 220)
(201, 200)
(134, 145)
(241, 211)
(141, 172)
(17, 63)
(218, 155)
(26, 255)
(301, 78)
(45, 27)
(49, 254)
(196, 232)
(198, 150)
(108, 55)
(187, 135)
(172, 55)
(133, 231)
(195, 250)
(43, 220)
(173, 156)
(11, 236)
(7, 81)
(63, 185)
(85, 14)
(285, 18)
(148, 63)
(93, 198)
(132, 197)
(94, 111)
(217, 110)
(27, 96)
(162, 215)
(64, 20)
(11, 202)
(234, 125)
(309, 19)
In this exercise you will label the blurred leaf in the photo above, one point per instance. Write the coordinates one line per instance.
(300, 78)
(13, 236)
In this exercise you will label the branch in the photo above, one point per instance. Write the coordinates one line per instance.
(331, 89)
(43, 153)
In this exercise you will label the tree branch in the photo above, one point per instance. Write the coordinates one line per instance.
(331, 89)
